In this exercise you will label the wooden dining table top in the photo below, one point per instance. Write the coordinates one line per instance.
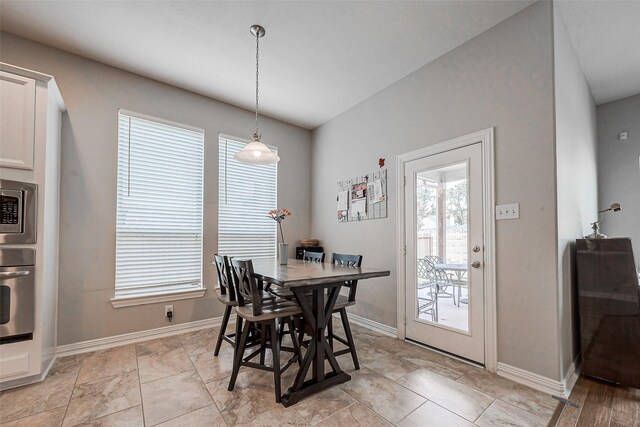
(308, 273)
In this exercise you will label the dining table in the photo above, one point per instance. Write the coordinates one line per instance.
(459, 270)
(323, 281)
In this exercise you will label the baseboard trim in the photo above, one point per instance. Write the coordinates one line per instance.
(373, 325)
(571, 376)
(134, 337)
(33, 379)
(539, 382)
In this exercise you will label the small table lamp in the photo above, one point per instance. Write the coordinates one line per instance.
(615, 207)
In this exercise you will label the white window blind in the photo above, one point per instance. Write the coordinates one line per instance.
(247, 193)
(159, 207)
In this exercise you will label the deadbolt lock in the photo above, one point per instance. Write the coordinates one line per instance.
(475, 248)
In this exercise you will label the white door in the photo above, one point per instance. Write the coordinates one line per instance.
(444, 252)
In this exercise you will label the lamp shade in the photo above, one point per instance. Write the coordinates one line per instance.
(257, 153)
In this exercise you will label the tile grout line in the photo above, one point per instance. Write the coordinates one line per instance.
(216, 333)
(403, 418)
(75, 383)
(335, 413)
(179, 373)
(373, 410)
(456, 381)
(485, 411)
(144, 421)
(112, 413)
(498, 398)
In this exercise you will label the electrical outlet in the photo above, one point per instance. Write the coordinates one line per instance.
(168, 309)
(511, 211)
(623, 136)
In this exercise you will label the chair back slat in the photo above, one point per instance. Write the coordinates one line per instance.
(313, 256)
(247, 285)
(349, 261)
(225, 276)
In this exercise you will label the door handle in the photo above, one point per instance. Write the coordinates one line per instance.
(13, 274)
(475, 264)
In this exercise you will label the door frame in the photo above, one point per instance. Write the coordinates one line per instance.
(486, 139)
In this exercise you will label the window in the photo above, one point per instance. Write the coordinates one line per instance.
(159, 210)
(246, 194)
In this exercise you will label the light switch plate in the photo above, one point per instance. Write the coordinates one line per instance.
(511, 211)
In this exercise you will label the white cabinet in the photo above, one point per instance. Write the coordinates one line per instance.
(31, 111)
(17, 125)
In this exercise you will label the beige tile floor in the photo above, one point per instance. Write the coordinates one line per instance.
(176, 381)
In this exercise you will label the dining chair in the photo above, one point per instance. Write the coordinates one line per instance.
(264, 313)
(341, 307)
(313, 256)
(227, 295)
(286, 293)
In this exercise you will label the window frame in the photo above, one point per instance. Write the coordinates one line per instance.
(232, 138)
(131, 298)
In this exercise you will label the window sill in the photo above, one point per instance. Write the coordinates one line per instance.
(128, 301)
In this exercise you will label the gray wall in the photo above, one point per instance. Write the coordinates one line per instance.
(93, 92)
(619, 169)
(576, 152)
(501, 78)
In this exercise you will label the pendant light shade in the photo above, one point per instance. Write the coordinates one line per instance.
(256, 152)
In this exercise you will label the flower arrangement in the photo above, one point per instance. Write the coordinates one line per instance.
(278, 215)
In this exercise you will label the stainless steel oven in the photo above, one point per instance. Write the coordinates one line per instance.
(17, 294)
(18, 211)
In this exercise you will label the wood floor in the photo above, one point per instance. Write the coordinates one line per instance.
(601, 404)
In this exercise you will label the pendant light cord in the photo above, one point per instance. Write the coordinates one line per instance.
(257, 75)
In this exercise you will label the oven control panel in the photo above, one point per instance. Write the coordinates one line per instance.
(11, 213)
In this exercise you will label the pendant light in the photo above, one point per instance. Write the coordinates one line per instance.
(256, 152)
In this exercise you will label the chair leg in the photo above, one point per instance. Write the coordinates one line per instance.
(263, 343)
(223, 329)
(347, 330)
(239, 351)
(275, 351)
(330, 331)
(281, 330)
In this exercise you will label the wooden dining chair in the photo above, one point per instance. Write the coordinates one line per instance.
(227, 296)
(341, 307)
(286, 293)
(313, 256)
(264, 313)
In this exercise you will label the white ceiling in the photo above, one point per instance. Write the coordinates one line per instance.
(318, 58)
(606, 38)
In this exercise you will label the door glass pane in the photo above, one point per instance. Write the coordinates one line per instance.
(442, 246)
